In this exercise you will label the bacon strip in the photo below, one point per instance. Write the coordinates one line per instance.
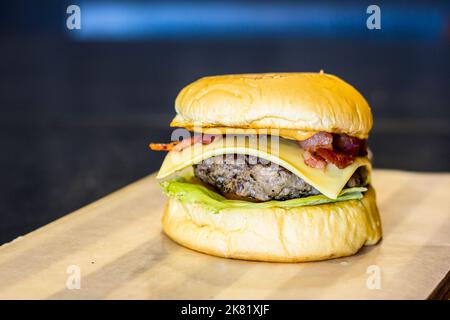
(314, 160)
(186, 143)
(339, 149)
(350, 145)
(208, 138)
(163, 146)
(322, 140)
(183, 144)
(363, 151)
(339, 159)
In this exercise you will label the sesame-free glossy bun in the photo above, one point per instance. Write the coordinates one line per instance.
(303, 102)
(298, 234)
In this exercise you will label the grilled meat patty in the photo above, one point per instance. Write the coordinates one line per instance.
(253, 178)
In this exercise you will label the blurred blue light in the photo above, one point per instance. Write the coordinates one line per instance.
(136, 20)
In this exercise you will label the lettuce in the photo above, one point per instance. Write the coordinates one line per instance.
(189, 192)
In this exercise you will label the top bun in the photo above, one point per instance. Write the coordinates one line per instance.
(304, 102)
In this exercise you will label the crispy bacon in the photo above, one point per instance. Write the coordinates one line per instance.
(363, 148)
(339, 149)
(183, 144)
(339, 159)
(322, 140)
(186, 143)
(163, 146)
(314, 160)
(208, 138)
(350, 145)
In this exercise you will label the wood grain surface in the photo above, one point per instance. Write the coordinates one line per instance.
(121, 253)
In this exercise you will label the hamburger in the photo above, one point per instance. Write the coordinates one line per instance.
(270, 167)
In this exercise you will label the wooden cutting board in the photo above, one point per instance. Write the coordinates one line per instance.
(114, 248)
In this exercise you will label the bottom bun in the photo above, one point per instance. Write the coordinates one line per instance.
(298, 234)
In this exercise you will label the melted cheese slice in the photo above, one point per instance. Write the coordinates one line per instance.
(329, 181)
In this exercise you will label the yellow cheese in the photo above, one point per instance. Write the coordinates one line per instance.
(286, 153)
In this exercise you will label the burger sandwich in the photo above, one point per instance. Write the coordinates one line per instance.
(270, 167)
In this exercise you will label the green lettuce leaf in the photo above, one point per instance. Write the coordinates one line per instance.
(189, 192)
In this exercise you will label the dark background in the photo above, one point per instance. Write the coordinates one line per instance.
(78, 108)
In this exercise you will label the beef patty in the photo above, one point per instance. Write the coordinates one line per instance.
(253, 178)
